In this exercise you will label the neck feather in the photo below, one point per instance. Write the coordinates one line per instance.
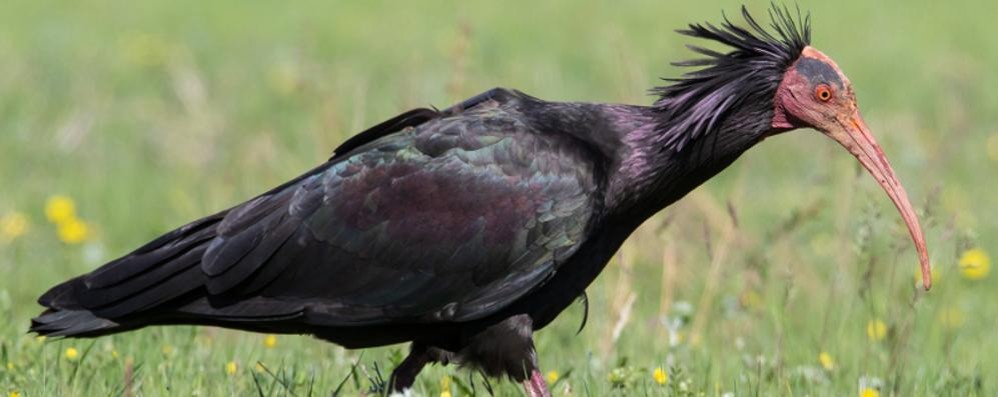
(651, 175)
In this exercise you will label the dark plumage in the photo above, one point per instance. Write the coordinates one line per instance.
(463, 230)
(692, 105)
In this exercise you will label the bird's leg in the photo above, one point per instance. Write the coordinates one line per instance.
(536, 386)
(522, 327)
(405, 373)
(507, 348)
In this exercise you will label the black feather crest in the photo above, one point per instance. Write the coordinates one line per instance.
(694, 104)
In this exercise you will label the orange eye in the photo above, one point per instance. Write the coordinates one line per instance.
(823, 92)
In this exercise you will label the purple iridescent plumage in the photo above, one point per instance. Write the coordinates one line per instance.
(693, 105)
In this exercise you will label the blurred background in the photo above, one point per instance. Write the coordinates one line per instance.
(790, 273)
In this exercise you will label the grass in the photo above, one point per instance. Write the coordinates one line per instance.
(151, 115)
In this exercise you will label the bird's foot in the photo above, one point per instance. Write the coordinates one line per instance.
(536, 386)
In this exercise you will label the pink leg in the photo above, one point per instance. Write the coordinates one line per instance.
(536, 386)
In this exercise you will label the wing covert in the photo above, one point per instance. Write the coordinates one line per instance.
(447, 221)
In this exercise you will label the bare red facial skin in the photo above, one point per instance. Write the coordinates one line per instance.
(801, 101)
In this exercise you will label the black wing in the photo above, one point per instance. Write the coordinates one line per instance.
(448, 220)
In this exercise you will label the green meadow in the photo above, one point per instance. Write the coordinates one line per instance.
(789, 274)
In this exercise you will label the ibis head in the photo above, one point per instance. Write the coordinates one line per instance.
(814, 93)
(771, 81)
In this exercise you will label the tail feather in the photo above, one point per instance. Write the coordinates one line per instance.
(153, 253)
(101, 299)
(177, 284)
(62, 295)
(116, 296)
(71, 323)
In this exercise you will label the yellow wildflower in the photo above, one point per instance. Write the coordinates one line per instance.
(975, 264)
(72, 353)
(660, 376)
(445, 387)
(951, 317)
(869, 392)
(552, 376)
(14, 393)
(59, 209)
(231, 367)
(10, 365)
(72, 231)
(114, 354)
(826, 361)
(166, 350)
(270, 341)
(12, 226)
(876, 330)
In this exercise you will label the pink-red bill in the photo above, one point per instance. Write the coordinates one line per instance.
(856, 138)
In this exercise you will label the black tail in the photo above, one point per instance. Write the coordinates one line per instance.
(131, 291)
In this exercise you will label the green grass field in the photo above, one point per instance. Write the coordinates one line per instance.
(147, 116)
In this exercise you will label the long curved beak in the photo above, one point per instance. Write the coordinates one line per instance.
(854, 135)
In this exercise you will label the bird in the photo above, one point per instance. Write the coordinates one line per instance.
(466, 230)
